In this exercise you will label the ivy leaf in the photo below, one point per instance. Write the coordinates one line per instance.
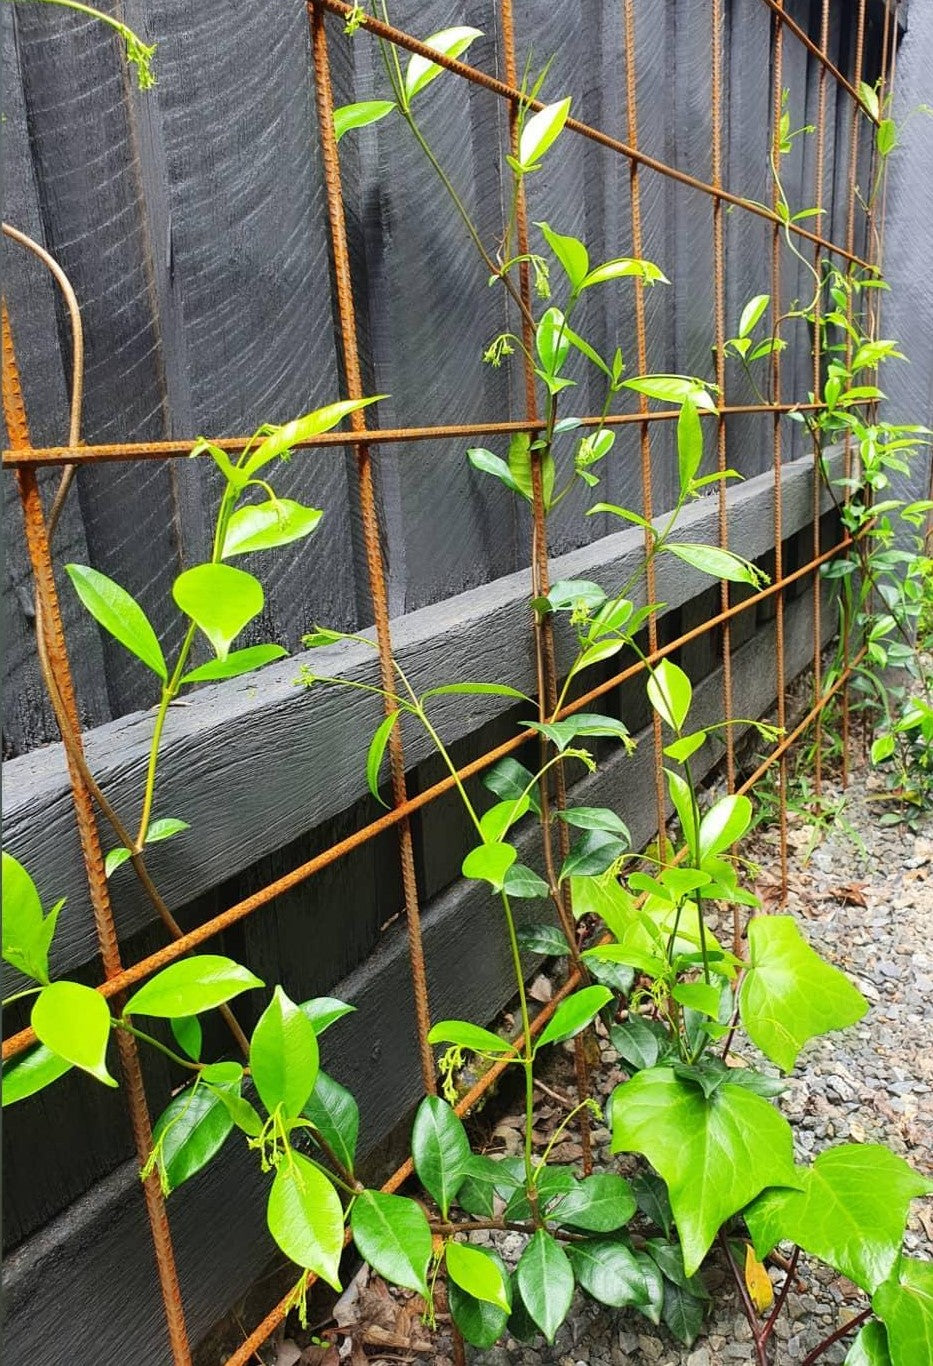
(220, 600)
(31, 1072)
(573, 1014)
(283, 1056)
(480, 1275)
(451, 42)
(74, 1022)
(333, 1111)
(305, 1217)
(870, 1348)
(120, 615)
(789, 994)
(545, 1279)
(236, 663)
(264, 526)
(440, 1152)
(715, 1154)
(905, 1306)
(600, 1203)
(392, 1234)
(610, 1271)
(481, 1322)
(540, 131)
(360, 115)
(850, 1211)
(190, 986)
(193, 1128)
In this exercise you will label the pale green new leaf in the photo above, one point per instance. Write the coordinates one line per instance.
(283, 439)
(625, 267)
(479, 1274)
(570, 252)
(466, 1035)
(284, 1056)
(377, 749)
(725, 822)
(360, 115)
(74, 1022)
(540, 131)
(670, 693)
(689, 443)
(752, 313)
(573, 1014)
(719, 564)
(870, 1348)
(119, 614)
(489, 863)
(305, 1217)
(190, 986)
(27, 933)
(31, 1072)
(451, 42)
(263, 526)
(905, 1306)
(789, 994)
(850, 1211)
(236, 663)
(715, 1154)
(220, 600)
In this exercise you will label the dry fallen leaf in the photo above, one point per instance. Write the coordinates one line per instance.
(851, 894)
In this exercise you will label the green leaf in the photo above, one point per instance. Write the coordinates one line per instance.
(639, 1042)
(606, 898)
(681, 750)
(480, 1275)
(594, 852)
(870, 1348)
(480, 1321)
(236, 663)
(466, 1035)
(377, 749)
(720, 564)
(263, 526)
(671, 389)
(715, 1154)
(573, 1015)
(610, 1271)
(552, 345)
(905, 1306)
(193, 1128)
(571, 594)
(689, 443)
(489, 463)
(360, 115)
(545, 1280)
(851, 1211)
(520, 464)
(489, 863)
(886, 137)
(440, 1151)
(31, 1072)
(486, 1177)
(869, 97)
(599, 1204)
(497, 821)
(725, 822)
(561, 733)
(546, 939)
(682, 799)
(789, 994)
(570, 252)
(651, 1197)
(698, 996)
(392, 1234)
(682, 1313)
(283, 439)
(305, 1217)
(333, 1111)
(623, 267)
(220, 600)
(119, 614)
(451, 42)
(27, 933)
(508, 778)
(595, 818)
(244, 1115)
(541, 131)
(670, 693)
(477, 690)
(283, 1056)
(323, 1011)
(186, 1031)
(74, 1022)
(524, 884)
(752, 314)
(190, 986)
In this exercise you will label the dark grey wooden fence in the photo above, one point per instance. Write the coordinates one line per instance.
(192, 225)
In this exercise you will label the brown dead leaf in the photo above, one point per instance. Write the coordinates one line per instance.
(320, 1356)
(374, 1336)
(541, 989)
(850, 894)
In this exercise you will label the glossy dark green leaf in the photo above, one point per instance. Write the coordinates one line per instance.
(573, 1014)
(618, 976)
(610, 1271)
(525, 884)
(191, 986)
(333, 1111)
(651, 1197)
(508, 778)
(220, 600)
(682, 1313)
(553, 1183)
(595, 818)
(547, 939)
(283, 1056)
(600, 1203)
(392, 1234)
(192, 1128)
(481, 1322)
(120, 615)
(545, 1279)
(377, 749)
(305, 1217)
(638, 1041)
(484, 1179)
(592, 853)
(440, 1152)
(74, 1022)
(32, 1071)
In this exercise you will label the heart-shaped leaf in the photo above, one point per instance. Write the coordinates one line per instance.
(220, 600)
(905, 1306)
(74, 1022)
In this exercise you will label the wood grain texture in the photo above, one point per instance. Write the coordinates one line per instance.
(371, 1051)
(303, 751)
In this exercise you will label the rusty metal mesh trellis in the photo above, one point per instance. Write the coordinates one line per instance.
(24, 459)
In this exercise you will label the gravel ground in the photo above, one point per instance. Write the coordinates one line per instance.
(868, 911)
